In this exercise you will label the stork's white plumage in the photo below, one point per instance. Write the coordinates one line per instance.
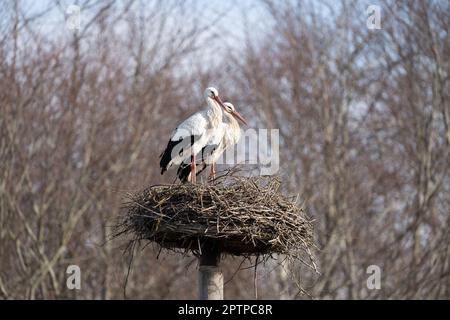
(226, 135)
(193, 134)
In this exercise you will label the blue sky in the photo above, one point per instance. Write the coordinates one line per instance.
(236, 14)
(237, 18)
(232, 10)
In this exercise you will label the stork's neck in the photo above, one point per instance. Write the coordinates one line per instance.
(213, 105)
(233, 132)
(215, 110)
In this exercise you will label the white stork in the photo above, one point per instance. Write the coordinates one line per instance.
(228, 134)
(192, 134)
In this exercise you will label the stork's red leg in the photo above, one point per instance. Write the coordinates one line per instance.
(213, 171)
(193, 169)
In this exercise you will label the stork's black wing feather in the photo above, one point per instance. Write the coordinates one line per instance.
(176, 148)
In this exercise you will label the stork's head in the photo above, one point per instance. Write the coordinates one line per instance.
(229, 107)
(231, 110)
(212, 93)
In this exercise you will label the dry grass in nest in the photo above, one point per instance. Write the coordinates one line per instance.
(238, 215)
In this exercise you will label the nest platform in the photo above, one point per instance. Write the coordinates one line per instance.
(236, 215)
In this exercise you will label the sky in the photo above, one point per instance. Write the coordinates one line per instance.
(231, 21)
(232, 11)
(228, 20)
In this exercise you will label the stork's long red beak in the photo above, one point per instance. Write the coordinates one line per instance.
(217, 98)
(238, 116)
(235, 113)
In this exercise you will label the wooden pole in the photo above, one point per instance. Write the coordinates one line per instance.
(210, 277)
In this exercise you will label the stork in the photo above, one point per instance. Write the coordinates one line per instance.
(190, 136)
(228, 134)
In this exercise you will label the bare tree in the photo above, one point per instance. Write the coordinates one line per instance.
(364, 119)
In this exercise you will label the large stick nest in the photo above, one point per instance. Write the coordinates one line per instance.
(237, 215)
